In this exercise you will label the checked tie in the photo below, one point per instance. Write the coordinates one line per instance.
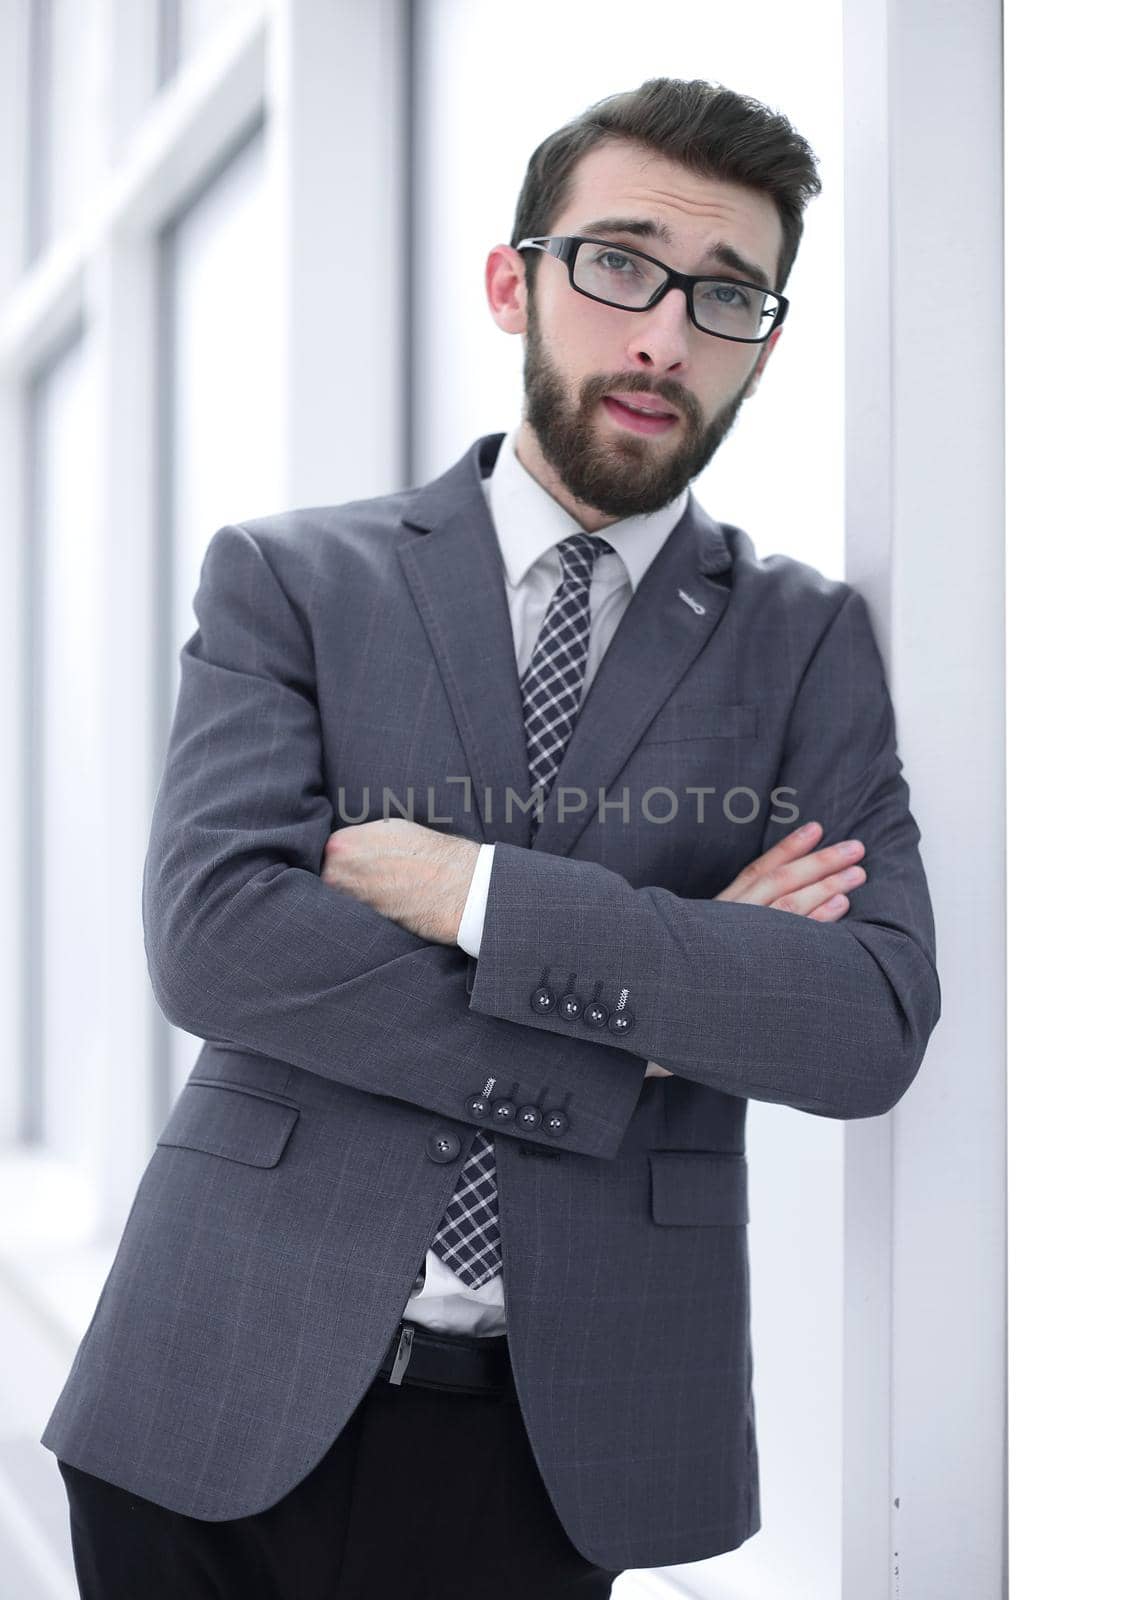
(469, 1238)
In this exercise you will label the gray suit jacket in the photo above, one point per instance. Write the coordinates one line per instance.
(306, 1164)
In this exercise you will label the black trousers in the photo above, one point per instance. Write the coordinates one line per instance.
(424, 1495)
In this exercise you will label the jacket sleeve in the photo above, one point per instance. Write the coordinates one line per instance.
(245, 943)
(832, 1018)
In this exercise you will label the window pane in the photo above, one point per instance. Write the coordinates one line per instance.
(220, 384)
(63, 126)
(69, 1025)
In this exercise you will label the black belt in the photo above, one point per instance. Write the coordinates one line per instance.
(452, 1361)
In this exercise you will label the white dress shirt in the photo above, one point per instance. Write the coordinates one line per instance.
(529, 524)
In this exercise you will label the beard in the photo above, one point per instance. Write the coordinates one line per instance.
(617, 473)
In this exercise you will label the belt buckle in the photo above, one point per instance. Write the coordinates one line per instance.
(403, 1356)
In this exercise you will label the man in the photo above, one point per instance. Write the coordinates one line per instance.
(437, 1281)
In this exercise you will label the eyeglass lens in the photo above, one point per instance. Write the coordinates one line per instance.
(623, 278)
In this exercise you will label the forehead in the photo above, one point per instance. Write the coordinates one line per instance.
(629, 180)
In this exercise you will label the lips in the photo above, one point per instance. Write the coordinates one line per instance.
(644, 404)
(635, 421)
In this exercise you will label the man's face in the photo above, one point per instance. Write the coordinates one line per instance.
(579, 351)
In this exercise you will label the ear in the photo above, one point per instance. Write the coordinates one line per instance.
(506, 288)
(761, 363)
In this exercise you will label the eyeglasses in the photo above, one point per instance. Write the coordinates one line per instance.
(618, 276)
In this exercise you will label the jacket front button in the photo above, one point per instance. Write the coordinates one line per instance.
(503, 1110)
(621, 1022)
(478, 1106)
(443, 1147)
(528, 1117)
(543, 999)
(569, 1006)
(556, 1123)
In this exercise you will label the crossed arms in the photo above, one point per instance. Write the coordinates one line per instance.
(247, 945)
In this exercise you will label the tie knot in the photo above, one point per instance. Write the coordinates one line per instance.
(579, 552)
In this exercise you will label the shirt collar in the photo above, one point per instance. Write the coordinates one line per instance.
(529, 521)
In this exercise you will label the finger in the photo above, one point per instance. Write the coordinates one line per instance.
(794, 844)
(794, 861)
(788, 848)
(832, 910)
(806, 897)
(802, 902)
(762, 883)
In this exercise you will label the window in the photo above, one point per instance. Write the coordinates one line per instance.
(68, 1029)
(219, 383)
(62, 121)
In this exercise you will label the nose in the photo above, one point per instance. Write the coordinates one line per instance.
(659, 339)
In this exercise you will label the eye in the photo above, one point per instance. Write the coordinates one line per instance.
(732, 288)
(603, 258)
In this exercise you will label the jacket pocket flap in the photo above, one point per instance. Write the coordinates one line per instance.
(698, 1187)
(225, 1120)
(710, 721)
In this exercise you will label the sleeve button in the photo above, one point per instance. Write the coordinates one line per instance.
(503, 1110)
(528, 1117)
(556, 1123)
(543, 999)
(596, 1015)
(478, 1107)
(569, 1006)
(621, 1022)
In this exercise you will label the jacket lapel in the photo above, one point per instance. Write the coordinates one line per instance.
(458, 582)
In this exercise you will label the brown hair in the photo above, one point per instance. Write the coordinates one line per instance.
(713, 131)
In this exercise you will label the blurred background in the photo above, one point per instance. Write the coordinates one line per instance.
(242, 257)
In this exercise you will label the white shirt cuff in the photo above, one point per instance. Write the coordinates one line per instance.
(470, 935)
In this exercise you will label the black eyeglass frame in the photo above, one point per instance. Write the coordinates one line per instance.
(566, 245)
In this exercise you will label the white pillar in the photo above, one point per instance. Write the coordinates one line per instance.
(925, 1262)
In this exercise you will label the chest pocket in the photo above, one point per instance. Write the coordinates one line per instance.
(225, 1119)
(710, 721)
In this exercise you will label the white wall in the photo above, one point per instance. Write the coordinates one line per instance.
(1068, 568)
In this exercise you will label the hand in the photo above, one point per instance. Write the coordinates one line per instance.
(788, 878)
(414, 875)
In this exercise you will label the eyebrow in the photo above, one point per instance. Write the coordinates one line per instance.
(653, 228)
